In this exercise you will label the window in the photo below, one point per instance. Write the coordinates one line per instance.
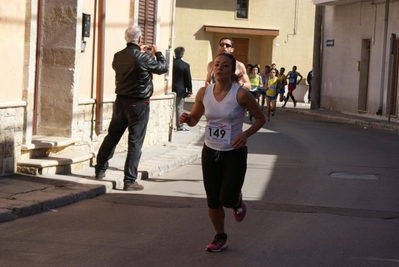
(148, 20)
(242, 9)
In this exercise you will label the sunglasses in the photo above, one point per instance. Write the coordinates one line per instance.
(225, 44)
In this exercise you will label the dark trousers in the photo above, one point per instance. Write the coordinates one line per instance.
(134, 116)
(223, 175)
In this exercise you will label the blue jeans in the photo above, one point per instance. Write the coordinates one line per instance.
(134, 116)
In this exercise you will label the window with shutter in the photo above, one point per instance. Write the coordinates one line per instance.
(242, 9)
(148, 20)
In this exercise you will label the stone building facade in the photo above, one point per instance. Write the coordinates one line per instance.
(359, 74)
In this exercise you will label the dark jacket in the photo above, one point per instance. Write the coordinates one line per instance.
(181, 80)
(309, 77)
(134, 69)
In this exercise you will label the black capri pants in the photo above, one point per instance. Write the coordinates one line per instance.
(223, 174)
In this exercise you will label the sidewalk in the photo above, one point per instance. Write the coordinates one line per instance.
(24, 195)
(376, 123)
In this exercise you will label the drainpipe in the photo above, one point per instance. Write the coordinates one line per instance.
(384, 49)
(295, 21)
(38, 65)
(172, 30)
(171, 39)
(100, 67)
(391, 74)
(317, 58)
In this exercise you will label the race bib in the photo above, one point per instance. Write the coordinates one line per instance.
(218, 132)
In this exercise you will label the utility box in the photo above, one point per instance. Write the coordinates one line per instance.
(86, 25)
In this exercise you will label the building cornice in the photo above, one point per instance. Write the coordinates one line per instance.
(238, 30)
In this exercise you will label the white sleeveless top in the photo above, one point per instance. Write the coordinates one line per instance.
(224, 119)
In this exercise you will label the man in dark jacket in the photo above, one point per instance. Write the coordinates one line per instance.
(133, 71)
(309, 80)
(181, 84)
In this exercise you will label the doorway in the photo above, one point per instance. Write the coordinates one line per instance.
(241, 49)
(394, 86)
(364, 67)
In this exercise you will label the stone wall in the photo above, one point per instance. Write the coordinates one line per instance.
(158, 131)
(59, 67)
(11, 137)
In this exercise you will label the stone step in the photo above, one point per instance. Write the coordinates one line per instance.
(48, 142)
(61, 163)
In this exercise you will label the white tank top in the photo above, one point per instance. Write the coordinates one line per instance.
(224, 119)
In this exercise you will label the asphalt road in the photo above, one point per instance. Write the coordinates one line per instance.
(318, 193)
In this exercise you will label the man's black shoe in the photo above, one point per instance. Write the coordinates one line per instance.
(100, 175)
(132, 187)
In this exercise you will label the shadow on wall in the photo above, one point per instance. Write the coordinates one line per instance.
(204, 5)
(7, 153)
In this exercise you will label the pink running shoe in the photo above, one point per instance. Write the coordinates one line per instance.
(239, 214)
(217, 245)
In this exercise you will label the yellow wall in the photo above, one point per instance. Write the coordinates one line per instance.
(12, 49)
(201, 46)
(118, 18)
(88, 60)
(66, 77)
(164, 43)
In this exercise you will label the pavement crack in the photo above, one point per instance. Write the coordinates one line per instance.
(14, 196)
(351, 212)
(155, 204)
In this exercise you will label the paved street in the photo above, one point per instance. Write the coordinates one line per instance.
(319, 193)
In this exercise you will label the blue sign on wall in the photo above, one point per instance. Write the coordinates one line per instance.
(330, 42)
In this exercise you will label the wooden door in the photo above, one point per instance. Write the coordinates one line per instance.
(394, 86)
(241, 49)
(364, 75)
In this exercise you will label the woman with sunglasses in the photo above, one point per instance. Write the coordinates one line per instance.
(224, 155)
(265, 75)
(281, 83)
(256, 83)
(271, 94)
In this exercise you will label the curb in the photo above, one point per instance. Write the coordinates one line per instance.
(49, 204)
(382, 125)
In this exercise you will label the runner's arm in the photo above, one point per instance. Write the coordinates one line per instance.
(192, 118)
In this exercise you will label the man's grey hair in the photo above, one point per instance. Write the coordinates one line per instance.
(179, 52)
(132, 34)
